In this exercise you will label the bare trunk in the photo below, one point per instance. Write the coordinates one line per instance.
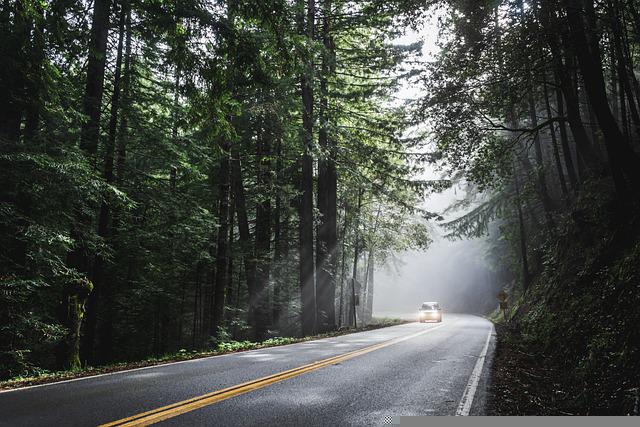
(278, 282)
(222, 247)
(356, 256)
(259, 300)
(343, 269)
(543, 191)
(326, 245)
(554, 143)
(239, 198)
(306, 268)
(95, 77)
(104, 329)
(370, 286)
(624, 162)
(523, 235)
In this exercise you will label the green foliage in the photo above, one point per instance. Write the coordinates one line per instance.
(140, 217)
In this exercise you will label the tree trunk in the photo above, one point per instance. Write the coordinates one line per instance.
(554, 143)
(14, 39)
(306, 267)
(356, 256)
(34, 84)
(343, 268)
(368, 281)
(239, 198)
(547, 203)
(77, 292)
(95, 78)
(523, 235)
(105, 330)
(230, 264)
(89, 136)
(562, 60)
(222, 252)
(259, 300)
(197, 301)
(625, 164)
(121, 148)
(564, 139)
(624, 74)
(370, 285)
(326, 244)
(278, 282)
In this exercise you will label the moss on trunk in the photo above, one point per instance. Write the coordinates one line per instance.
(77, 293)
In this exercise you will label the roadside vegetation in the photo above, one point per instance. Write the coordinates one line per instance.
(224, 346)
(569, 346)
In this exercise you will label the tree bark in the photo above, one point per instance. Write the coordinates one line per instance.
(239, 198)
(95, 78)
(523, 235)
(625, 164)
(105, 329)
(278, 282)
(89, 136)
(356, 256)
(562, 60)
(306, 266)
(326, 245)
(343, 268)
(554, 143)
(76, 294)
(543, 190)
(370, 286)
(564, 140)
(259, 300)
(222, 251)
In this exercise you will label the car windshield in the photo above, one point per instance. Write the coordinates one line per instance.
(429, 307)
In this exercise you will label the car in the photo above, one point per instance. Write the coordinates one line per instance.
(430, 311)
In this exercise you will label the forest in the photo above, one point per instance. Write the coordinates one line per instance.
(179, 172)
(176, 174)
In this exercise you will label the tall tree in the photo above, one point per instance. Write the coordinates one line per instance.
(326, 248)
(306, 26)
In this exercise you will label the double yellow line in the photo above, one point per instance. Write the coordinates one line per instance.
(175, 409)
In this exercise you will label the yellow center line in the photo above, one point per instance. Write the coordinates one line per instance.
(175, 409)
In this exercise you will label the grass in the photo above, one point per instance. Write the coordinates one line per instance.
(45, 377)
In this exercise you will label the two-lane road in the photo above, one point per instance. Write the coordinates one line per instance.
(358, 379)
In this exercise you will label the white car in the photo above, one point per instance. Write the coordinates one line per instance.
(430, 311)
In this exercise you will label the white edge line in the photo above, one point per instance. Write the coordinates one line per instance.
(160, 365)
(469, 392)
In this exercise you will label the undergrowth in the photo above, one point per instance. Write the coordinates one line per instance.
(224, 347)
(571, 346)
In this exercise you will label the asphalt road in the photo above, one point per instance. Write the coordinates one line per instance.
(412, 369)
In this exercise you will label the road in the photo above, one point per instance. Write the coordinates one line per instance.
(356, 379)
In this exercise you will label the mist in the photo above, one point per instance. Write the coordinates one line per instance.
(456, 273)
(453, 273)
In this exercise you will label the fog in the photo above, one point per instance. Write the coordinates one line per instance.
(455, 273)
(452, 273)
